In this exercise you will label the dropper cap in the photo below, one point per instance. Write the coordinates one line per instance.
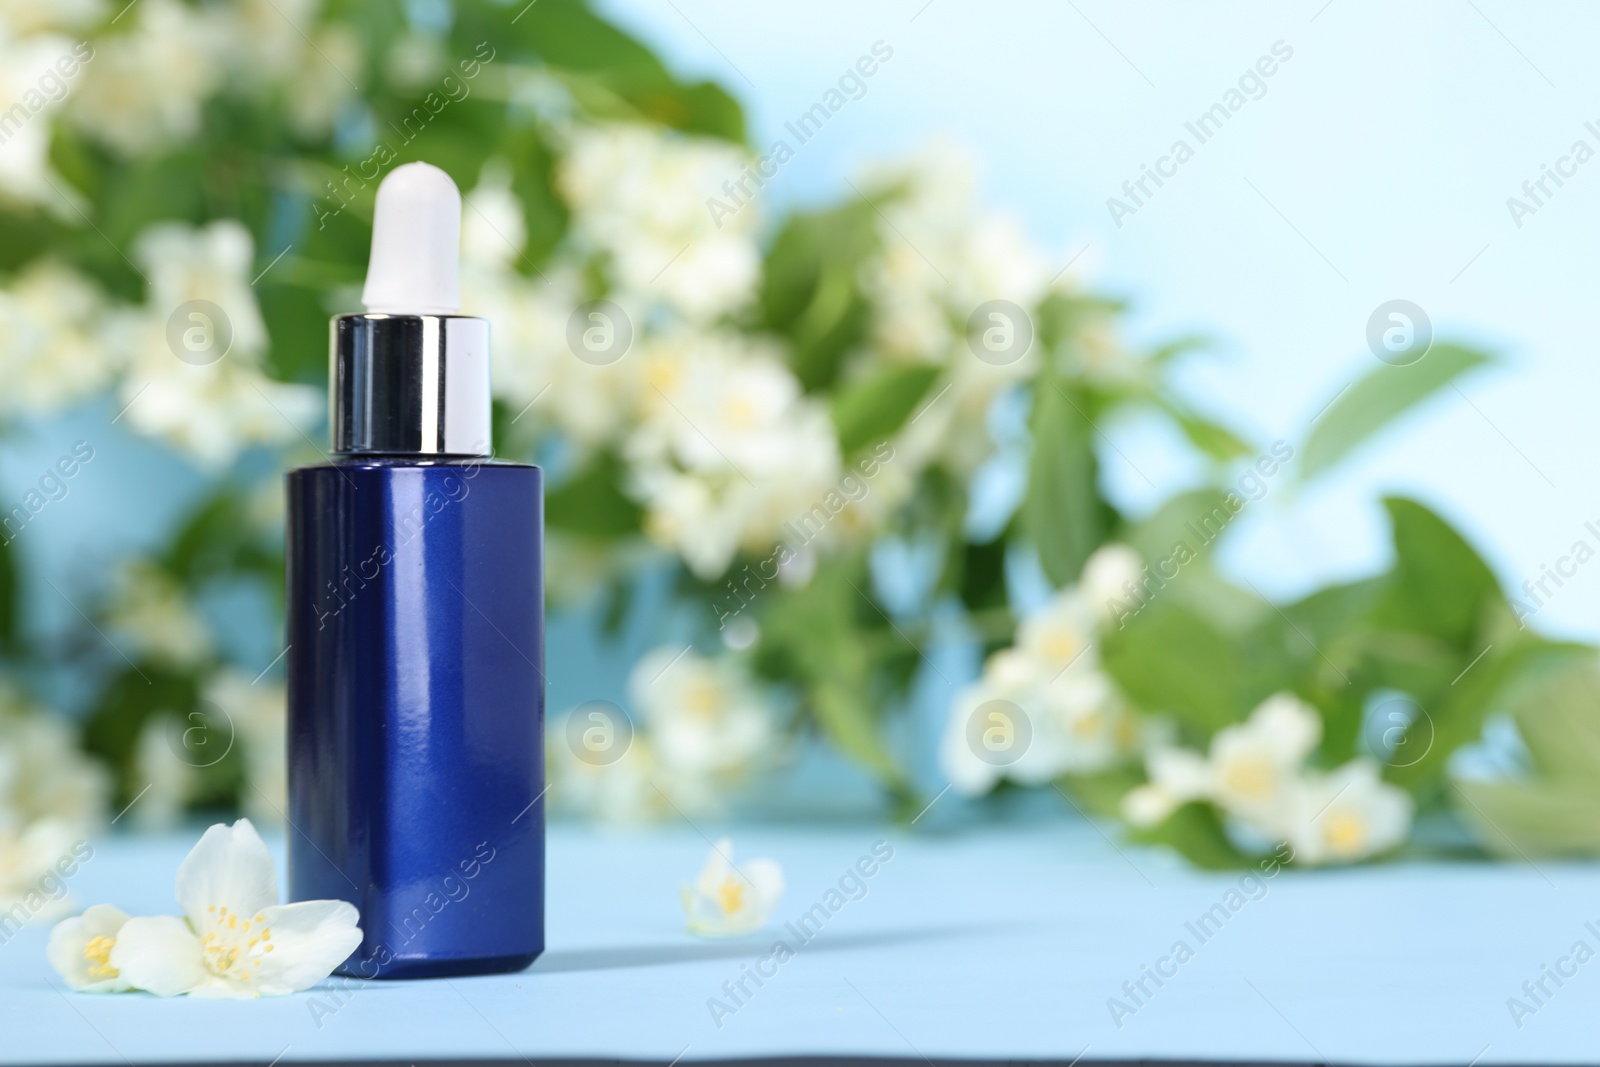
(416, 244)
(411, 376)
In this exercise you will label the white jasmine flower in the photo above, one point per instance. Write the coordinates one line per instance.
(1256, 773)
(1148, 805)
(215, 409)
(159, 761)
(265, 40)
(257, 718)
(235, 939)
(80, 950)
(27, 17)
(1084, 726)
(150, 613)
(31, 90)
(213, 413)
(1254, 763)
(1009, 677)
(940, 258)
(33, 857)
(617, 792)
(213, 263)
(536, 373)
(704, 715)
(1075, 722)
(1347, 815)
(639, 197)
(493, 229)
(1107, 576)
(53, 350)
(44, 774)
(320, 88)
(1177, 776)
(728, 900)
(144, 89)
(1060, 635)
(729, 454)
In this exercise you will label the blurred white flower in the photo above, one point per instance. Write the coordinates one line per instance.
(940, 258)
(151, 615)
(51, 794)
(185, 264)
(235, 939)
(1059, 634)
(1347, 815)
(144, 88)
(257, 720)
(160, 763)
(705, 717)
(728, 452)
(43, 772)
(493, 230)
(321, 86)
(1107, 574)
(53, 350)
(27, 17)
(1069, 716)
(80, 950)
(1256, 774)
(269, 45)
(33, 857)
(728, 899)
(214, 402)
(638, 196)
(37, 72)
(974, 768)
(615, 792)
(1255, 763)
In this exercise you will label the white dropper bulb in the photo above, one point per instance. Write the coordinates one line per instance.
(416, 244)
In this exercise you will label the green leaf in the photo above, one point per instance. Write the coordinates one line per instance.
(1377, 400)
(847, 722)
(591, 503)
(11, 614)
(1550, 812)
(872, 410)
(1192, 520)
(819, 636)
(809, 289)
(1168, 659)
(1439, 585)
(1209, 436)
(1195, 832)
(1558, 715)
(1063, 512)
(1517, 820)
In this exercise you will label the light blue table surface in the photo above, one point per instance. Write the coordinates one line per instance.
(996, 943)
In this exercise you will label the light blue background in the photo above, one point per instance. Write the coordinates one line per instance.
(1391, 141)
(1005, 944)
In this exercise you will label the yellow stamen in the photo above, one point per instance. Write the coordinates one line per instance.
(98, 953)
(1345, 833)
(730, 895)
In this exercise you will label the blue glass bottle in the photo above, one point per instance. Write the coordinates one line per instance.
(415, 660)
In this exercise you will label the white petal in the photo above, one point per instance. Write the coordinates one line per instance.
(766, 881)
(229, 868)
(69, 943)
(716, 867)
(1148, 805)
(1289, 725)
(161, 955)
(309, 940)
(1180, 772)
